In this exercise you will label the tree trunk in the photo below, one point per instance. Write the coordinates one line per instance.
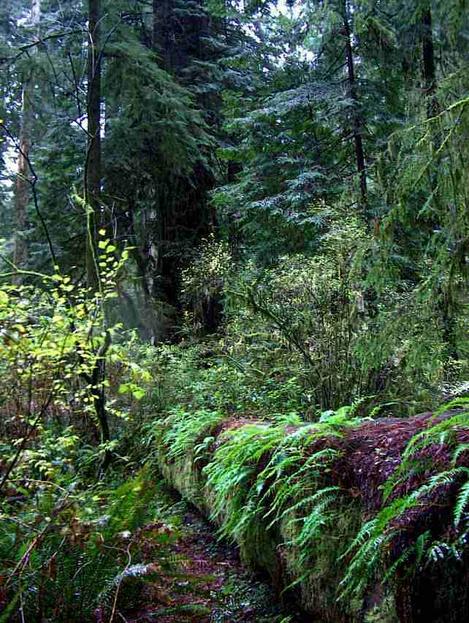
(93, 179)
(428, 61)
(183, 217)
(23, 184)
(162, 26)
(357, 129)
(99, 399)
(93, 156)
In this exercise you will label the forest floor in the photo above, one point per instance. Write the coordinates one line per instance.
(205, 580)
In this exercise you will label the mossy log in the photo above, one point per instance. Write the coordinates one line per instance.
(370, 453)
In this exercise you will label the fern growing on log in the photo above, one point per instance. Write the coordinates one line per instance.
(428, 499)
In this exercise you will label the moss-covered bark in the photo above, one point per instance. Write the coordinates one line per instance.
(312, 565)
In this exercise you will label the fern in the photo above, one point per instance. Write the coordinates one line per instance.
(443, 432)
(369, 549)
(265, 475)
(185, 430)
(461, 503)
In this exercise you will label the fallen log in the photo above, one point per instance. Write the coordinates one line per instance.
(288, 477)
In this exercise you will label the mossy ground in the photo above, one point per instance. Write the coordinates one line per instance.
(207, 582)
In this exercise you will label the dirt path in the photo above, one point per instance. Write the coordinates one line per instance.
(200, 579)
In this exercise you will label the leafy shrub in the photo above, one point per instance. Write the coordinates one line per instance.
(65, 387)
(212, 375)
(317, 319)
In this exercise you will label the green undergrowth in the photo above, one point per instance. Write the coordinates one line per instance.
(273, 483)
(238, 420)
(189, 431)
(270, 466)
(65, 553)
(211, 375)
(264, 476)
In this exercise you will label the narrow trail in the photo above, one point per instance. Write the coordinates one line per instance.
(205, 580)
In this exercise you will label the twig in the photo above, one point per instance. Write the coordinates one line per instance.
(24, 48)
(33, 184)
(129, 561)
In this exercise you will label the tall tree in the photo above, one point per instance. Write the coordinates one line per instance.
(24, 172)
(357, 122)
(428, 58)
(93, 174)
(183, 39)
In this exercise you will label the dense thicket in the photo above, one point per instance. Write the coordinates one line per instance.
(216, 210)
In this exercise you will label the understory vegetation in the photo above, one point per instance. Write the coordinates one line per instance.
(234, 258)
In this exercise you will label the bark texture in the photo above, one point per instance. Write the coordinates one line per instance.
(357, 122)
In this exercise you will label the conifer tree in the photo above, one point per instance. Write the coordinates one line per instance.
(25, 173)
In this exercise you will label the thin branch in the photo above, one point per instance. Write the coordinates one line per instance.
(24, 49)
(33, 183)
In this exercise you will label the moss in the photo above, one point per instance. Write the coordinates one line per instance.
(318, 580)
(258, 549)
(186, 478)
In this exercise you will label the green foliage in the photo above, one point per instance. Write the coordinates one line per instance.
(54, 336)
(202, 280)
(222, 375)
(188, 432)
(63, 550)
(268, 475)
(60, 546)
(233, 470)
(172, 122)
(324, 278)
(342, 343)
